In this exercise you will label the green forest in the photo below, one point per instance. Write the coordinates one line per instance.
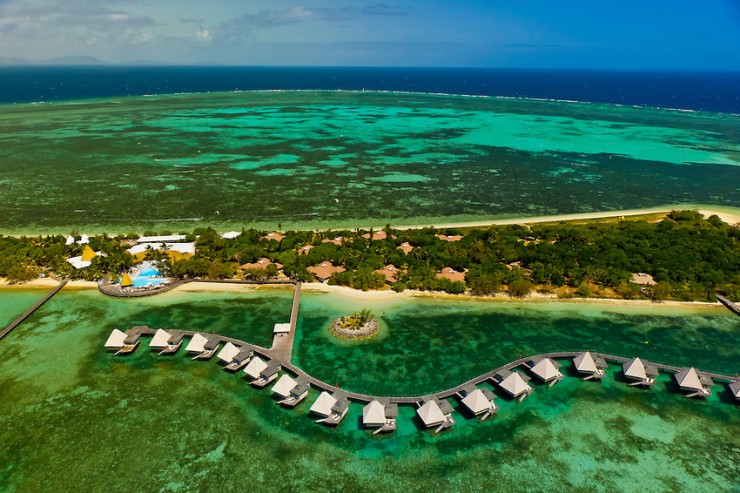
(689, 257)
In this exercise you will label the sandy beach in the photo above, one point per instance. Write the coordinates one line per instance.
(46, 283)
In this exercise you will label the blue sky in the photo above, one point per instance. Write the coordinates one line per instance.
(631, 34)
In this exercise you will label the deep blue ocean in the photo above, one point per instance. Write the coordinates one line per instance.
(703, 91)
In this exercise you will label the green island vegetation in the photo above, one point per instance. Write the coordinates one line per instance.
(358, 325)
(688, 257)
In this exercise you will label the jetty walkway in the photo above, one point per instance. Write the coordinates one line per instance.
(15, 323)
(732, 306)
(282, 344)
(408, 400)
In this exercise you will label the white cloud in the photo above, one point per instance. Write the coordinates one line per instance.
(204, 36)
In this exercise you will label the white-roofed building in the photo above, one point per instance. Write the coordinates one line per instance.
(231, 235)
(160, 239)
(639, 372)
(514, 384)
(115, 340)
(323, 405)
(160, 340)
(586, 364)
(373, 414)
(197, 344)
(255, 367)
(430, 414)
(479, 402)
(84, 240)
(693, 382)
(228, 352)
(284, 385)
(180, 250)
(281, 329)
(70, 241)
(545, 369)
(735, 389)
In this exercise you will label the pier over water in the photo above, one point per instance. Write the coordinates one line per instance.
(15, 323)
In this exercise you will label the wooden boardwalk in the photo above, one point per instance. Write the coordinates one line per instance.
(414, 399)
(282, 345)
(732, 306)
(15, 323)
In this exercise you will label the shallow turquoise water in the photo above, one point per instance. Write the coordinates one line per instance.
(366, 158)
(148, 423)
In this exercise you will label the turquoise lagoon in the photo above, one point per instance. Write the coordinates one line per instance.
(75, 418)
(306, 159)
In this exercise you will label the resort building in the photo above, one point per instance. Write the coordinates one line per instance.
(639, 372)
(450, 237)
(240, 360)
(262, 263)
(406, 247)
(451, 274)
(391, 274)
(115, 340)
(164, 342)
(513, 383)
(331, 408)
(337, 241)
(325, 270)
(545, 369)
(434, 412)
(70, 241)
(231, 235)
(380, 415)
(293, 394)
(643, 279)
(281, 329)
(84, 260)
(228, 353)
(478, 401)
(587, 365)
(305, 249)
(377, 235)
(269, 374)
(694, 383)
(255, 367)
(84, 240)
(283, 386)
(161, 239)
(176, 251)
(735, 389)
(122, 342)
(273, 236)
(204, 347)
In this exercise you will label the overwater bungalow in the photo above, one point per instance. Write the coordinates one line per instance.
(639, 372)
(255, 367)
(380, 415)
(735, 389)
(478, 401)
(434, 412)
(331, 408)
(267, 375)
(115, 340)
(694, 383)
(204, 347)
(240, 360)
(513, 383)
(228, 352)
(283, 386)
(587, 365)
(164, 342)
(297, 393)
(545, 369)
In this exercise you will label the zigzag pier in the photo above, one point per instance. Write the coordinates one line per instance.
(266, 364)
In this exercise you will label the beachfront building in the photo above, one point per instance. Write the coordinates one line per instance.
(586, 365)
(84, 260)
(639, 372)
(176, 251)
(231, 235)
(545, 369)
(377, 235)
(84, 240)
(435, 413)
(337, 241)
(70, 241)
(694, 383)
(262, 263)
(305, 249)
(451, 274)
(513, 383)
(325, 270)
(643, 279)
(273, 235)
(380, 415)
(391, 274)
(478, 401)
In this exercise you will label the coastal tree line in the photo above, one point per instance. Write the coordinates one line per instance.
(689, 257)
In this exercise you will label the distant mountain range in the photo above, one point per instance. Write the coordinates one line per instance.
(70, 61)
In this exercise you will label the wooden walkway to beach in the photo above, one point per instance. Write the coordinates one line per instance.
(732, 306)
(412, 400)
(282, 344)
(31, 310)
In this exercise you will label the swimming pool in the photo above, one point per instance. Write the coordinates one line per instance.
(148, 271)
(143, 282)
